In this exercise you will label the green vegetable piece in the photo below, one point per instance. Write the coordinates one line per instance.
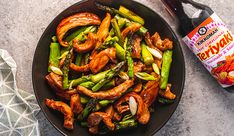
(74, 34)
(54, 55)
(84, 99)
(146, 55)
(129, 58)
(109, 85)
(78, 59)
(120, 52)
(87, 84)
(84, 124)
(156, 69)
(54, 39)
(131, 15)
(90, 107)
(99, 76)
(117, 31)
(104, 103)
(165, 101)
(76, 82)
(166, 65)
(114, 71)
(130, 123)
(145, 76)
(65, 69)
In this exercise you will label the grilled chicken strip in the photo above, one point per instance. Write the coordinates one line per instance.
(79, 19)
(130, 29)
(76, 68)
(55, 82)
(95, 119)
(150, 92)
(136, 50)
(101, 59)
(102, 33)
(163, 45)
(65, 109)
(143, 114)
(138, 67)
(75, 104)
(109, 94)
(88, 45)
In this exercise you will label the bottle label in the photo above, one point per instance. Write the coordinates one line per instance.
(213, 44)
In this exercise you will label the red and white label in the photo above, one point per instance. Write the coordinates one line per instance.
(213, 44)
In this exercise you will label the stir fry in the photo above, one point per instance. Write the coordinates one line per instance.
(108, 73)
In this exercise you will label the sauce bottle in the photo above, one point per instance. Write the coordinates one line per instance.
(207, 37)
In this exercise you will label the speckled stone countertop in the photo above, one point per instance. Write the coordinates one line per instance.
(205, 108)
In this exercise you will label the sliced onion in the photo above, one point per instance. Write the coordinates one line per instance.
(156, 69)
(71, 84)
(56, 70)
(231, 74)
(63, 55)
(123, 75)
(132, 105)
(154, 52)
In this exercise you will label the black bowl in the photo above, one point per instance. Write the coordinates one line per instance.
(153, 22)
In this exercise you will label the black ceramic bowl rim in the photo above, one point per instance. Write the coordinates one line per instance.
(167, 25)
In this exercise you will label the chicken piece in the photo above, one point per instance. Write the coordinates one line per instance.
(75, 104)
(163, 45)
(87, 46)
(130, 29)
(143, 114)
(136, 50)
(55, 81)
(150, 92)
(137, 88)
(101, 59)
(108, 94)
(103, 30)
(149, 42)
(113, 115)
(79, 19)
(167, 93)
(138, 67)
(76, 68)
(65, 109)
(96, 118)
(66, 95)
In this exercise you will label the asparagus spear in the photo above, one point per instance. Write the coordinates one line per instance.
(84, 99)
(114, 71)
(141, 31)
(87, 84)
(78, 59)
(117, 31)
(165, 101)
(123, 12)
(73, 35)
(99, 76)
(109, 41)
(104, 103)
(126, 124)
(80, 80)
(66, 65)
(109, 85)
(146, 55)
(54, 55)
(54, 39)
(120, 52)
(129, 58)
(166, 64)
(91, 106)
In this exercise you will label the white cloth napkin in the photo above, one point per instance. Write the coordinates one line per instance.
(17, 107)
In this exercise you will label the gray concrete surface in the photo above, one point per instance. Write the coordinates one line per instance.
(205, 108)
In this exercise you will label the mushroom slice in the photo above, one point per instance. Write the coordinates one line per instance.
(79, 19)
(96, 118)
(65, 109)
(143, 114)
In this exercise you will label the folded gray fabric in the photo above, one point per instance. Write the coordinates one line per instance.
(17, 107)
